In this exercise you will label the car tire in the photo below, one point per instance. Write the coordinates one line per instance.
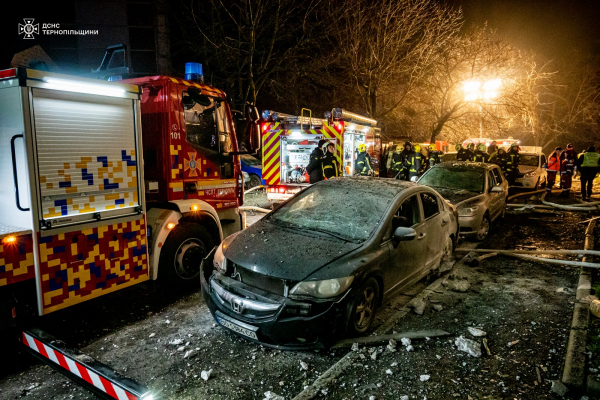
(182, 253)
(254, 180)
(363, 308)
(484, 228)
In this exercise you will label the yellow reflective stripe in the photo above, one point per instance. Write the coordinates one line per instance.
(275, 179)
(275, 158)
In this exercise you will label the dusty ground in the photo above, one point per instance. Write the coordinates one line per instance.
(134, 332)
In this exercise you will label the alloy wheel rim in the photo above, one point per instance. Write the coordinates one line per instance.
(364, 310)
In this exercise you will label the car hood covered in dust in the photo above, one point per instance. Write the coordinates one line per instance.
(456, 196)
(283, 252)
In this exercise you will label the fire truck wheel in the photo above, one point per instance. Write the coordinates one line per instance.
(183, 252)
(254, 180)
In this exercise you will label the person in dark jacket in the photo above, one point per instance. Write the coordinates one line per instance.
(480, 155)
(567, 170)
(363, 163)
(406, 154)
(331, 169)
(513, 159)
(397, 161)
(587, 165)
(499, 158)
(462, 153)
(315, 165)
(470, 151)
(492, 148)
(435, 156)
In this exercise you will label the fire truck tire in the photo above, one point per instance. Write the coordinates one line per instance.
(184, 249)
(254, 180)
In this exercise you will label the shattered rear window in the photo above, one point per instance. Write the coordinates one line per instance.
(455, 178)
(350, 212)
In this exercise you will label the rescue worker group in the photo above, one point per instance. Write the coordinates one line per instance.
(409, 162)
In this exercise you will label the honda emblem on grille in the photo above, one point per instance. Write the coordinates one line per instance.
(237, 305)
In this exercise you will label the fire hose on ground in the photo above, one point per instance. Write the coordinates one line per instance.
(526, 255)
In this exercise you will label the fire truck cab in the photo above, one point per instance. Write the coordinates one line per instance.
(193, 179)
(288, 141)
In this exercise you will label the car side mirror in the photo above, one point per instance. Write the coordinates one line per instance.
(403, 234)
(497, 189)
(414, 178)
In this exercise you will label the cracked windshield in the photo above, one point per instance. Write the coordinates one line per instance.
(457, 179)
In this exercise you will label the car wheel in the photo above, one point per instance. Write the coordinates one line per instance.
(364, 307)
(254, 180)
(183, 252)
(484, 228)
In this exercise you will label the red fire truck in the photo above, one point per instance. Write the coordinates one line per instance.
(288, 140)
(82, 218)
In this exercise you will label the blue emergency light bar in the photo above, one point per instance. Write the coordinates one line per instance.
(193, 72)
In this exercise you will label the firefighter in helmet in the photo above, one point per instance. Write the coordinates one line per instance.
(363, 163)
(499, 158)
(416, 162)
(407, 156)
(435, 156)
(513, 159)
(331, 169)
(462, 154)
(480, 154)
(397, 162)
(315, 165)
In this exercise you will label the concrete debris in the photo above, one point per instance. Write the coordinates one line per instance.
(152, 334)
(409, 348)
(389, 372)
(403, 397)
(206, 374)
(424, 378)
(374, 355)
(487, 349)
(354, 346)
(394, 364)
(418, 306)
(469, 346)
(459, 285)
(476, 332)
(189, 354)
(167, 322)
(392, 344)
(437, 307)
(304, 365)
(176, 342)
(511, 344)
(182, 348)
(371, 397)
(559, 388)
(405, 341)
(272, 396)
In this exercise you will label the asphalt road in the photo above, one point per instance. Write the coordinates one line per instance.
(145, 331)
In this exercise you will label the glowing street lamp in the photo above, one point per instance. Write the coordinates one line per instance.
(476, 90)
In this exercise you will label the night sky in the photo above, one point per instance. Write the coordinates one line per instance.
(552, 28)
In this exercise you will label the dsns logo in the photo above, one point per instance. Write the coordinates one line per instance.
(29, 29)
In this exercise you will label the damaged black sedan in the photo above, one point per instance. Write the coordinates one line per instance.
(319, 266)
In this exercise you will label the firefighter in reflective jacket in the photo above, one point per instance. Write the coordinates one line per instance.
(330, 165)
(363, 164)
(587, 164)
(567, 169)
(552, 168)
(435, 156)
(462, 153)
(397, 163)
(480, 155)
(513, 159)
(416, 162)
(406, 155)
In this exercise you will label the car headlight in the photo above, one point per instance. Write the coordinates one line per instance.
(467, 211)
(219, 260)
(323, 289)
(530, 174)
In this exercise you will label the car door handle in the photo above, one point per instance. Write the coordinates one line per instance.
(444, 222)
(421, 236)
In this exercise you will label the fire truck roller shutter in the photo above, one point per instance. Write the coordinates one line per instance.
(87, 155)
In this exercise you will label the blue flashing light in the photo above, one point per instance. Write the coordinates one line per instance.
(193, 71)
(115, 78)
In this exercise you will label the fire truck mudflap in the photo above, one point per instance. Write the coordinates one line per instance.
(95, 376)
